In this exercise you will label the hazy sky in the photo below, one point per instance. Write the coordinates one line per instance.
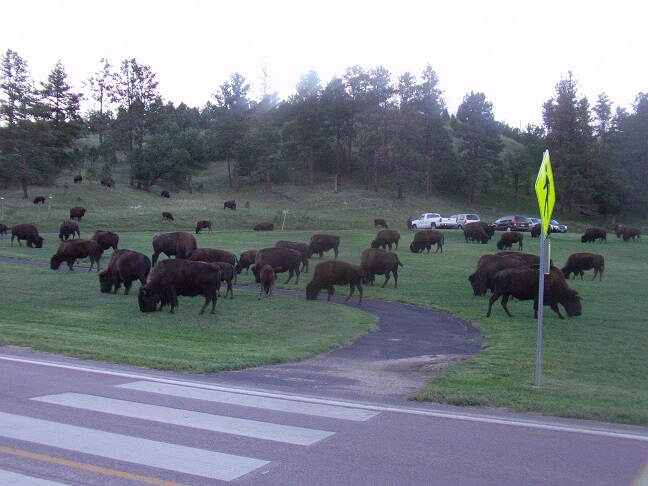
(513, 51)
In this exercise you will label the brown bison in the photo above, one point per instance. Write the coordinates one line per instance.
(201, 225)
(487, 266)
(246, 259)
(69, 228)
(302, 248)
(281, 259)
(179, 244)
(425, 239)
(231, 204)
(171, 278)
(476, 232)
(124, 266)
(577, 263)
(265, 226)
(631, 233)
(73, 250)
(228, 275)
(267, 276)
(380, 222)
(167, 215)
(27, 232)
(527, 258)
(166, 194)
(321, 243)
(3, 229)
(522, 284)
(108, 182)
(618, 230)
(78, 178)
(385, 238)
(593, 234)
(508, 238)
(536, 230)
(106, 239)
(212, 255)
(375, 261)
(77, 213)
(39, 200)
(328, 274)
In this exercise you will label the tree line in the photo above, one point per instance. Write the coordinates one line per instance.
(365, 126)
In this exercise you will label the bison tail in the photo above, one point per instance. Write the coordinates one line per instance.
(399, 262)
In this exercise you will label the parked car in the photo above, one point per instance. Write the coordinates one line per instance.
(534, 221)
(433, 220)
(513, 223)
(556, 227)
(464, 219)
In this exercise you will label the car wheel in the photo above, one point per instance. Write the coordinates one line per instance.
(413, 226)
(433, 225)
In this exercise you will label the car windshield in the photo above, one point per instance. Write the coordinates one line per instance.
(472, 217)
(521, 219)
(553, 221)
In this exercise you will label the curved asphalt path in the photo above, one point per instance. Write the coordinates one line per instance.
(390, 363)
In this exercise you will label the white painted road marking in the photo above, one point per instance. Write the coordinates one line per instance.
(188, 460)
(320, 410)
(8, 478)
(187, 418)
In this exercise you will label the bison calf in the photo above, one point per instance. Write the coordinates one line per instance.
(124, 266)
(246, 259)
(166, 194)
(73, 250)
(39, 200)
(228, 275)
(380, 222)
(202, 225)
(231, 204)
(167, 215)
(77, 213)
(577, 263)
(267, 276)
(328, 274)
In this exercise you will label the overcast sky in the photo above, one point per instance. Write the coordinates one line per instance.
(513, 51)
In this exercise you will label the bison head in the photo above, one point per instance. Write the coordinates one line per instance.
(375, 244)
(584, 239)
(106, 281)
(571, 301)
(38, 242)
(474, 282)
(148, 299)
(311, 291)
(500, 245)
(55, 262)
(415, 247)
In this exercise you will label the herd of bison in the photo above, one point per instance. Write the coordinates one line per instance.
(201, 271)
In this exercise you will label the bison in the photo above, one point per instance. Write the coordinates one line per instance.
(246, 259)
(39, 200)
(328, 274)
(73, 250)
(212, 255)
(577, 263)
(3, 229)
(108, 182)
(228, 275)
(171, 278)
(593, 234)
(77, 213)
(321, 243)
(536, 230)
(106, 239)
(281, 259)
(179, 244)
(267, 276)
(425, 239)
(69, 228)
(487, 266)
(166, 194)
(27, 232)
(167, 215)
(522, 284)
(631, 233)
(124, 266)
(231, 204)
(78, 178)
(385, 238)
(201, 225)
(375, 261)
(507, 239)
(380, 222)
(476, 232)
(302, 248)
(618, 230)
(265, 226)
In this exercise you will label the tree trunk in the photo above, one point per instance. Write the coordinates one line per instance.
(428, 189)
(236, 172)
(375, 170)
(229, 171)
(311, 168)
(23, 184)
(338, 159)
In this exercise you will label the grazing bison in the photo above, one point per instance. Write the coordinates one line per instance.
(73, 250)
(375, 261)
(3, 229)
(527, 258)
(106, 239)
(166, 194)
(267, 276)
(27, 232)
(265, 226)
(228, 275)
(536, 230)
(507, 239)
(380, 222)
(108, 182)
(231, 204)
(487, 266)
(425, 239)
(212, 255)
(39, 200)
(476, 232)
(302, 248)
(201, 225)
(522, 284)
(171, 278)
(281, 259)
(631, 233)
(385, 238)
(167, 215)
(246, 259)
(321, 243)
(124, 266)
(69, 228)
(78, 178)
(593, 234)
(77, 212)
(328, 274)
(577, 263)
(179, 244)
(618, 230)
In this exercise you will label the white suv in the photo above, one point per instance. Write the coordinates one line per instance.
(464, 219)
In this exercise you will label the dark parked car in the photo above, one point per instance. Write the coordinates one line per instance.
(513, 223)
(557, 227)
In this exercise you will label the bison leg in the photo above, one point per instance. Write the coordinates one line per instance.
(155, 257)
(386, 279)
(261, 293)
(505, 299)
(395, 272)
(297, 271)
(336, 252)
(359, 290)
(389, 245)
(207, 300)
(556, 309)
(290, 275)
(321, 254)
(230, 289)
(127, 286)
(70, 264)
(331, 290)
(491, 301)
(352, 286)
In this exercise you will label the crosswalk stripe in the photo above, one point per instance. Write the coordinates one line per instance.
(183, 459)
(199, 420)
(304, 408)
(8, 478)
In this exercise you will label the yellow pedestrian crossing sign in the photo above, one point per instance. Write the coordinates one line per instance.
(546, 192)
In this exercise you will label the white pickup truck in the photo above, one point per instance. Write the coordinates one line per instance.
(433, 220)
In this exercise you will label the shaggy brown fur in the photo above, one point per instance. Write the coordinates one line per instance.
(73, 250)
(281, 259)
(212, 255)
(179, 244)
(380, 222)
(321, 243)
(69, 228)
(593, 234)
(106, 239)
(577, 263)
(27, 232)
(375, 261)
(302, 248)
(124, 266)
(328, 274)
(267, 276)
(246, 259)
(508, 238)
(202, 225)
(385, 238)
(77, 213)
(425, 239)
